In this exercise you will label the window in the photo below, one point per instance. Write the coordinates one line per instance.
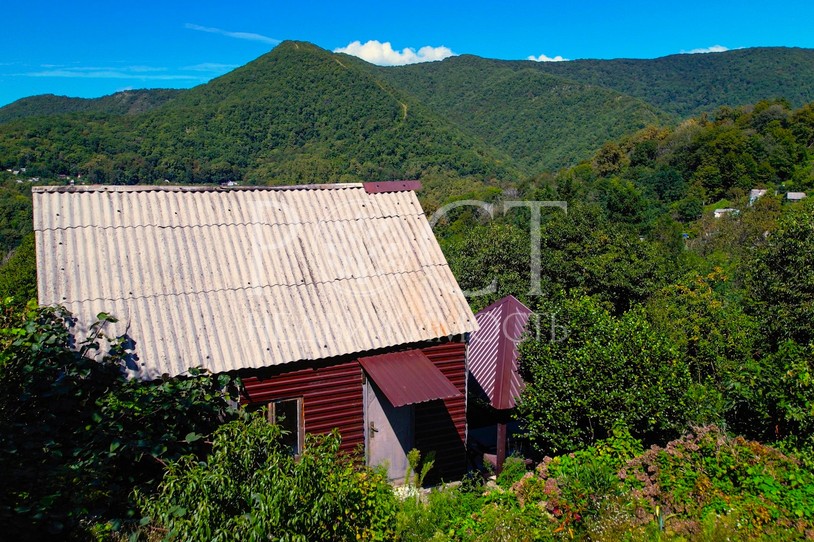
(287, 413)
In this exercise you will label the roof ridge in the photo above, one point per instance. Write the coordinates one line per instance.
(503, 301)
(188, 188)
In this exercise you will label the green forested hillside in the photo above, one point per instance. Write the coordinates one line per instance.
(686, 85)
(301, 114)
(297, 114)
(543, 122)
(127, 102)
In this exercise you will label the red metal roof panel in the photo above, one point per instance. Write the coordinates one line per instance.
(408, 377)
(493, 350)
(391, 186)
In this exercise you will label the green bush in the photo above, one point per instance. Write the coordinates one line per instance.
(513, 469)
(251, 488)
(609, 370)
(77, 435)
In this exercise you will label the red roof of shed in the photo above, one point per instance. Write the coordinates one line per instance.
(493, 350)
(408, 377)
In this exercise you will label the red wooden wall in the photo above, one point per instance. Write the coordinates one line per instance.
(332, 395)
(440, 426)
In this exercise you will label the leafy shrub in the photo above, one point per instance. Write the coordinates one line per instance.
(435, 518)
(579, 485)
(609, 370)
(78, 436)
(513, 469)
(251, 488)
(704, 485)
(706, 472)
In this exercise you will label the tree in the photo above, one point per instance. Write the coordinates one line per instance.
(584, 252)
(18, 276)
(250, 488)
(780, 278)
(716, 341)
(491, 256)
(78, 435)
(610, 370)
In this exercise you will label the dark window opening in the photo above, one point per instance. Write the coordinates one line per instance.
(287, 414)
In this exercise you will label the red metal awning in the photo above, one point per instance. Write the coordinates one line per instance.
(408, 377)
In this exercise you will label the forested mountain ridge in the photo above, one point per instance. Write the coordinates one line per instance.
(294, 115)
(543, 121)
(126, 102)
(301, 113)
(689, 84)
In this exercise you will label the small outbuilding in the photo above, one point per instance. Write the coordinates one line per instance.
(493, 365)
(334, 303)
(755, 194)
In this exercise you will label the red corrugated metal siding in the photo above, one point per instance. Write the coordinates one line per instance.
(441, 425)
(332, 397)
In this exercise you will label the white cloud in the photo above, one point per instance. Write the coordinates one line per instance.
(239, 35)
(713, 49)
(544, 58)
(383, 54)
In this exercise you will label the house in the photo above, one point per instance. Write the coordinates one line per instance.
(333, 303)
(493, 364)
(755, 194)
(795, 196)
(718, 213)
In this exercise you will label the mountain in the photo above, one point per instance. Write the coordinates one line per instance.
(302, 114)
(297, 114)
(542, 121)
(128, 102)
(689, 84)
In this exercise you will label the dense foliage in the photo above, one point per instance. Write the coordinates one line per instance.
(77, 435)
(251, 488)
(703, 486)
(607, 370)
(780, 279)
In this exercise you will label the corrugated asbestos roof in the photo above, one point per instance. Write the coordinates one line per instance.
(408, 377)
(493, 351)
(246, 278)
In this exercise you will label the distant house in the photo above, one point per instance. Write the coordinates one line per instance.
(755, 194)
(718, 213)
(334, 303)
(493, 366)
(795, 196)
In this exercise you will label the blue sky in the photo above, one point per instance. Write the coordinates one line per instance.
(90, 48)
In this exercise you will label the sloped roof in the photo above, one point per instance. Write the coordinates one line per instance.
(408, 377)
(493, 351)
(246, 277)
